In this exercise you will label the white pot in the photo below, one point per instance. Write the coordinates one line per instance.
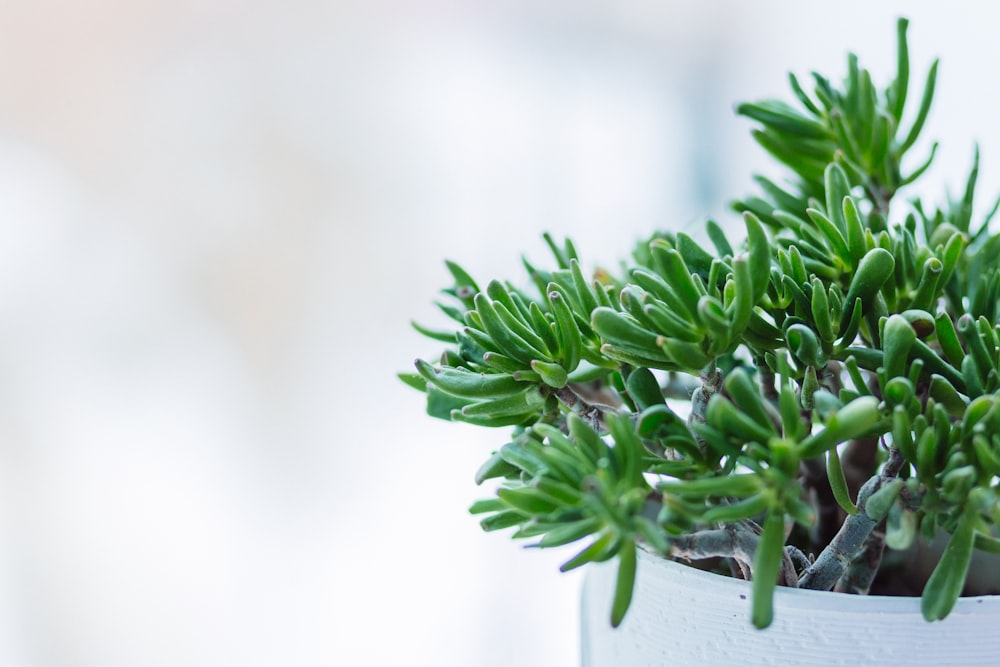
(684, 616)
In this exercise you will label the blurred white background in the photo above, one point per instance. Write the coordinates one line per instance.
(217, 219)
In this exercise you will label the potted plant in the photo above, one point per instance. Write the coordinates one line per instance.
(815, 407)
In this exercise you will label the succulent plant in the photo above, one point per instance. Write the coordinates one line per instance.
(796, 409)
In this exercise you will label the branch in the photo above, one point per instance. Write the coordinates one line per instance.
(711, 382)
(590, 402)
(861, 572)
(859, 460)
(679, 386)
(852, 538)
(814, 477)
(737, 541)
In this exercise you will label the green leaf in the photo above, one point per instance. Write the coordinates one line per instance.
(927, 292)
(805, 345)
(922, 169)
(569, 532)
(623, 332)
(925, 107)
(734, 485)
(628, 449)
(873, 270)
(935, 364)
(944, 393)
(502, 520)
(465, 286)
(584, 291)
(674, 270)
(413, 380)
(900, 528)
(838, 483)
(801, 94)
(899, 86)
(897, 339)
(487, 505)
(604, 546)
(527, 401)
(697, 259)
(659, 421)
(878, 504)
(667, 322)
(718, 238)
(526, 500)
(469, 384)
(586, 438)
(857, 246)
(759, 250)
(838, 188)
(855, 419)
(440, 336)
(744, 298)
(779, 116)
(727, 418)
(748, 508)
(766, 564)
(509, 342)
(523, 458)
(567, 331)
(987, 456)
(624, 582)
(820, 310)
(644, 388)
(686, 356)
(948, 578)
(563, 256)
(494, 467)
(747, 396)
(441, 405)
(551, 374)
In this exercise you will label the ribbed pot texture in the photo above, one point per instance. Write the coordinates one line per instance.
(683, 616)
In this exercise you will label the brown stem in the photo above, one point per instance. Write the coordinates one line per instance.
(854, 539)
(767, 380)
(737, 541)
(860, 460)
(860, 574)
(590, 402)
(880, 196)
(711, 382)
(828, 512)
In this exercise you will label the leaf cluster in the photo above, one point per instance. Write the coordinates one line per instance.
(699, 401)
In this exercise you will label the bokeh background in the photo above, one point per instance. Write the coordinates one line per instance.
(217, 219)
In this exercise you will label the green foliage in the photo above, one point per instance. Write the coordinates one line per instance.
(706, 388)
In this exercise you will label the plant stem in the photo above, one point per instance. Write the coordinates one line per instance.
(880, 196)
(814, 477)
(737, 541)
(860, 460)
(853, 537)
(590, 403)
(711, 382)
(679, 386)
(861, 572)
(767, 380)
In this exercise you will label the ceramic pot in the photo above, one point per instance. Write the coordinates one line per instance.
(684, 616)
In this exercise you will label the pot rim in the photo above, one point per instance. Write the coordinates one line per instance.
(802, 599)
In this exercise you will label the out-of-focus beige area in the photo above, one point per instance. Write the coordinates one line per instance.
(217, 219)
